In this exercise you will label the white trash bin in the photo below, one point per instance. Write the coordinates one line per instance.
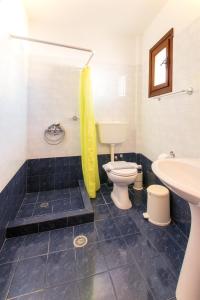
(158, 205)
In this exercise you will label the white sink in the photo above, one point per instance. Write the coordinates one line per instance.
(182, 176)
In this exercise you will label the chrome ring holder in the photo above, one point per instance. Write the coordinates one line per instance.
(54, 134)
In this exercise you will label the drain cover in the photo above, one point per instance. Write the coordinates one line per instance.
(44, 205)
(80, 241)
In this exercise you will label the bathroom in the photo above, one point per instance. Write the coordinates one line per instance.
(64, 236)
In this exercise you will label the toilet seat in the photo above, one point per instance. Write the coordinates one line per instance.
(124, 172)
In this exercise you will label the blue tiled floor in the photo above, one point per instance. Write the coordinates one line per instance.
(125, 258)
(49, 202)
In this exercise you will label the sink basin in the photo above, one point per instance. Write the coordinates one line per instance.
(182, 176)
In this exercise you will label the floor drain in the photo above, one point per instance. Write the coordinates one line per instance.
(44, 205)
(80, 241)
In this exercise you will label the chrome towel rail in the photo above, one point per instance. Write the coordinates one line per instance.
(188, 91)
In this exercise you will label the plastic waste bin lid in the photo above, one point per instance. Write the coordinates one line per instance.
(158, 190)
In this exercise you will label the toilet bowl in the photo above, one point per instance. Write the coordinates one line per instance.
(121, 179)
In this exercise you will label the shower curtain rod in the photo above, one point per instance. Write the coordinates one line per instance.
(55, 44)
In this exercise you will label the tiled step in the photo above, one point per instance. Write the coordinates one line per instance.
(34, 224)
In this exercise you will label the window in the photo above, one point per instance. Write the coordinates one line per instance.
(160, 66)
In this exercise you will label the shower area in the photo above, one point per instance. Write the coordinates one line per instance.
(55, 195)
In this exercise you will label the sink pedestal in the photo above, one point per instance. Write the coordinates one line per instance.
(188, 287)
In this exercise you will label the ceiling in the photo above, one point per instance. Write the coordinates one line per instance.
(120, 17)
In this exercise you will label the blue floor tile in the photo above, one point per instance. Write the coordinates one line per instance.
(115, 252)
(175, 261)
(115, 211)
(143, 224)
(184, 227)
(11, 250)
(140, 248)
(43, 208)
(162, 241)
(107, 197)
(60, 268)
(89, 261)
(159, 278)
(98, 287)
(101, 212)
(30, 198)
(54, 195)
(167, 247)
(129, 284)
(138, 199)
(61, 239)
(99, 200)
(6, 274)
(76, 202)
(87, 229)
(62, 194)
(126, 256)
(26, 211)
(35, 244)
(61, 206)
(74, 191)
(68, 291)
(177, 235)
(46, 196)
(29, 276)
(126, 225)
(107, 229)
(105, 189)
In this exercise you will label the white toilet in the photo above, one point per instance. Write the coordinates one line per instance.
(121, 179)
(121, 173)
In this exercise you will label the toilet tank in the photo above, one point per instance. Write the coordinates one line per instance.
(112, 132)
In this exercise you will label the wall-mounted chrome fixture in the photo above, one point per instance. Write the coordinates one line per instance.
(54, 134)
(172, 154)
(188, 91)
(75, 118)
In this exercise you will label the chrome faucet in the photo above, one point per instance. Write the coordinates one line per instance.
(172, 154)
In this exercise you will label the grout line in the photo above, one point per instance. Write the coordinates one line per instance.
(49, 240)
(20, 207)
(27, 294)
(47, 257)
(175, 240)
(108, 272)
(143, 278)
(3, 244)
(181, 232)
(115, 293)
(11, 280)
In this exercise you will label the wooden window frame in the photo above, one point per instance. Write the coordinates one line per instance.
(165, 42)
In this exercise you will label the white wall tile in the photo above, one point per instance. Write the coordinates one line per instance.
(173, 123)
(54, 97)
(13, 88)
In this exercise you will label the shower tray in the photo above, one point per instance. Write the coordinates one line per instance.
(50, 210)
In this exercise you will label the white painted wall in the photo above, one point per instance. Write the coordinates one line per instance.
(54, 87)
(13, 71)
(174, 122)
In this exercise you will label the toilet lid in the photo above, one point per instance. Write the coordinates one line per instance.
(124, 172)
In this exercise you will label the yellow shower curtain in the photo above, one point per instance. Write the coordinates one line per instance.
(88, 135)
